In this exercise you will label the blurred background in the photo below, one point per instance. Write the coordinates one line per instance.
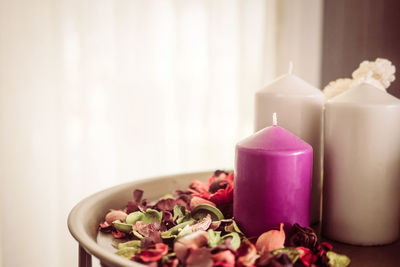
(97, 93)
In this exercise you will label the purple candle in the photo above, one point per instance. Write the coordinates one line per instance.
(273, 171)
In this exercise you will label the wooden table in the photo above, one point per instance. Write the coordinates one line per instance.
(84, 218)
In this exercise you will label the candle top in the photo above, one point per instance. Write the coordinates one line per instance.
(366, 94)
(291, 85)
(274, 139)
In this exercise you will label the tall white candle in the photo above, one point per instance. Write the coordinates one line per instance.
(361, 202)
(300, 109)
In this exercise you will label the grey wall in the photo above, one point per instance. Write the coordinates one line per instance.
(356, 30)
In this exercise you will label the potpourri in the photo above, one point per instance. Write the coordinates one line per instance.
(194, 227)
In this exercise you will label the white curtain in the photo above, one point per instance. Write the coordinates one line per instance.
(96, 93)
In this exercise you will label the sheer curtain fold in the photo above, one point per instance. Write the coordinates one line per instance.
(95, 93)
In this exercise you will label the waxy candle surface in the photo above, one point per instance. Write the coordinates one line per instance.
(272, 181)
(300, 109)
(362, 167)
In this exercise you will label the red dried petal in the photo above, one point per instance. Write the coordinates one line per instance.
(247, 255)
(306, 256)
(105, 227)
(223, 196)
(173, 263)
(325, 246)
(118, 234)
(230, 177)
(155, 254)
(199, 186)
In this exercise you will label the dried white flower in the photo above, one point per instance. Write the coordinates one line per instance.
(379, 73)
(382, 71)
(337, 87)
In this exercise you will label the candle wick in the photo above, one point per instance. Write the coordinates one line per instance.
(274, 119)
(290, 67)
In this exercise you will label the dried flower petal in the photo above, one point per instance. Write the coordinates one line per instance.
(200, 257)
(165, 204)
(105, 227)
(247, 255)
(224, 259)
(302, 237)
(118, 234)
(154, 237)
(114, 215)
(137, 203)
(271, 240)
(199, 187)
(155, 254)
(293, 253)
(204, 224)
(382, 70)
(203, 210)
(337, 260)
(306, 256)
(193, 241)
(195, 201)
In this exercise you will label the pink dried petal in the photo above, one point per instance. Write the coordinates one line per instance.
(141, 228)
(224, 259)
(192, 241)
(200, 257)
(215, 224)
(199, 186)
(271, 240)
(165, 204)
(114, 215)
(203, 224)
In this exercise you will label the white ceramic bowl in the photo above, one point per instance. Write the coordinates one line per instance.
(85, 217)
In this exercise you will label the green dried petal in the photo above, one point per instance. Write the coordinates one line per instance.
(337, 260)
(167, 196)
(173, 232)
(185, 231)
(235, 241)
(180, 214)
(132, 243)
(233, 227)
(214, 238)
(168, 235)
(123, 227)
(293, 253)
(136, 233)
(127, 252)
(152, 215)
(201, 211)
(133, 217)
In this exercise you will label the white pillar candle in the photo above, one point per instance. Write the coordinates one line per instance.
(300, 109)
(361, 202)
